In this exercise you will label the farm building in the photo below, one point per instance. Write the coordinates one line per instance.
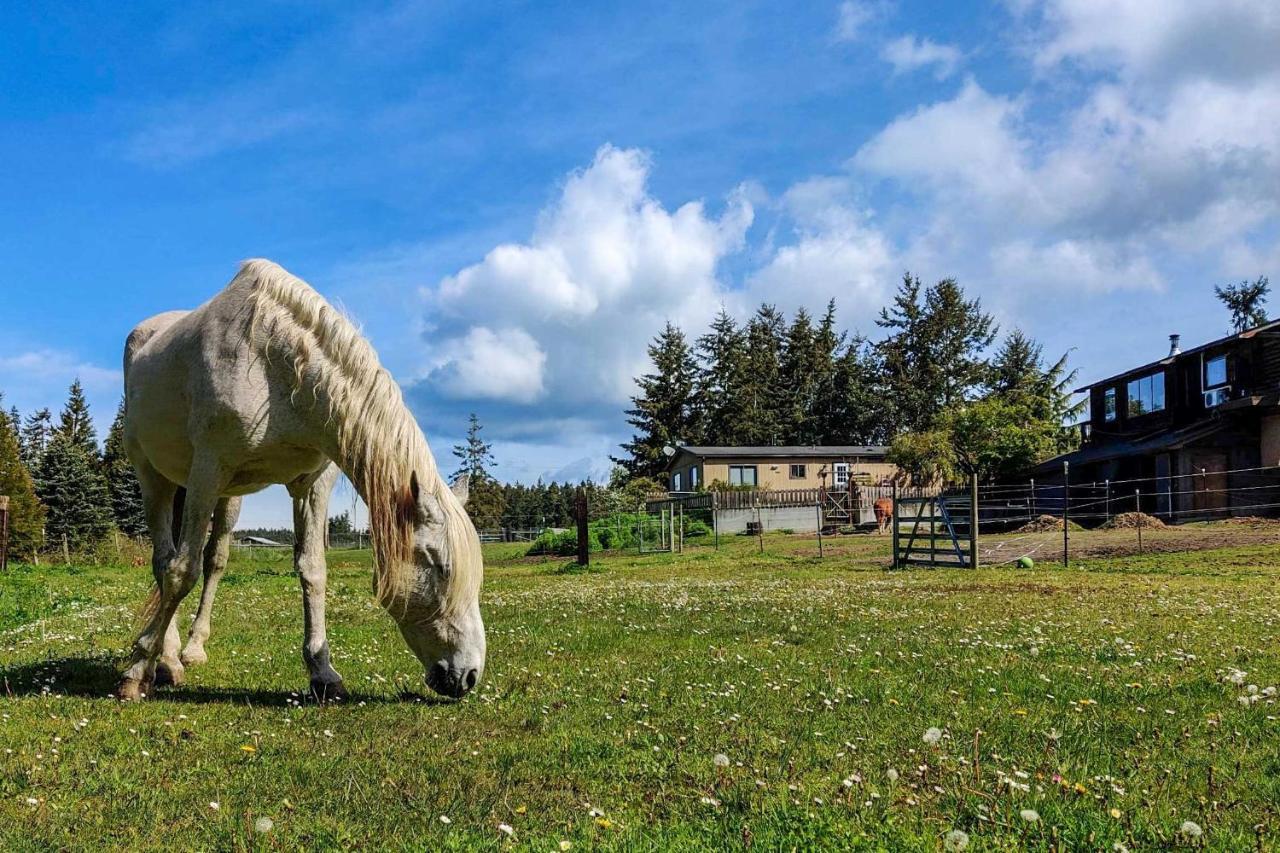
(785, 487)
(1197, 432)
(691, 467)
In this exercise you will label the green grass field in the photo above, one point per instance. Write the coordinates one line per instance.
(707, 700)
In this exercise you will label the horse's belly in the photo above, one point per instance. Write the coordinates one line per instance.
(282, 466)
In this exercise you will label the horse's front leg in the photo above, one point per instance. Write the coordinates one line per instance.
(216, 553)
(175, 578)
(310, 516)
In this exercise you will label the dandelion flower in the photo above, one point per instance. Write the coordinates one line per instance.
(1191, 829)
(955, 841)
(565, 845)
(1030, 815)
(720, 760)
(264, 824)
(932, 735)
(1115, 813)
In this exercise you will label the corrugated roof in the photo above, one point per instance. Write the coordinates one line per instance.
(788, 450)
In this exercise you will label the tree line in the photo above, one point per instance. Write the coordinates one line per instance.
(63, 490)
(935, 387)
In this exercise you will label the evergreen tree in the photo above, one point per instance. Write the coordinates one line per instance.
(26, 515)
(855, 409)
(122, 482)
(721, 351)
(35, 438)
(475, 456)
(800, 371)
(15, 425)
(760, 395)
(70, 481)
(1019, 376)
(1246, 302)
(933, 356)
(664, 412)
(486, 500)
(75, 424)
(340, 528)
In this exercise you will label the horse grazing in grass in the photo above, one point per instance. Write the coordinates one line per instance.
(267, 383)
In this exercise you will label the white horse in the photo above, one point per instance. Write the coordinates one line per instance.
(267, 383)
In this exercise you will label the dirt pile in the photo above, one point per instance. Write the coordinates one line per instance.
(1045, 524)
(1131, 520)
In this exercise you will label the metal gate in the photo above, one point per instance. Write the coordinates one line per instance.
(934, 531)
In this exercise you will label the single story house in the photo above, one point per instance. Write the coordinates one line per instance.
(693, 467)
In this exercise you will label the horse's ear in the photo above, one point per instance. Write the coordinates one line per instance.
(461, 488)
(413, 487)
(407, 502)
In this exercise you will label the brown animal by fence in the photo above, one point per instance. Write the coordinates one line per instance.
(883, 508)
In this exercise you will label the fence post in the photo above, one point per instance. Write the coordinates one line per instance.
(817, 508)
(4, 533)
(759, 523)
(715, 518)
(1031, 504)
(584, 537)
(894, 523)
(640, 529)
(1137, 508)
(1107, 500)
(1066, 513)
(973, 522)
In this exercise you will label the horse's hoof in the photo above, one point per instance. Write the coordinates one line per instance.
(326, 691)
(130, 690)
(193, 656)
(169, 675)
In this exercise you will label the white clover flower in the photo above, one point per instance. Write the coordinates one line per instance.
(891, 775)
(1191, 829)
(506, 829)
(955, 841)
(932, 735)
(1030, 815)
(720, 760)
(264, 824)
(444, 818)
(215, 806)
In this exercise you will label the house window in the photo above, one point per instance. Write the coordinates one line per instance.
(742, 475)
(797, 472)
(675, 482)
(693, 478)
(1109, 404)
(840, 474)
(1146, 394)
(1215, 372)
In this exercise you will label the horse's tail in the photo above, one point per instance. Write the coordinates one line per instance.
(149, 607)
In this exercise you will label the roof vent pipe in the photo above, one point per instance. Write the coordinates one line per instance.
(1174, 349)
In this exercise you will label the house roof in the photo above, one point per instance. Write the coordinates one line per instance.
(822, 451)
(1272, 326)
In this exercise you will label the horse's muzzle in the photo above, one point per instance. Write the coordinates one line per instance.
(449, 682)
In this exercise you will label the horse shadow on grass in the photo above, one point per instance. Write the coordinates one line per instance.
(95, 677)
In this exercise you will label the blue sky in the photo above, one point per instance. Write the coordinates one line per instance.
(512, 198)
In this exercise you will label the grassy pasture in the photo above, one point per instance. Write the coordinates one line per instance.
(697, 701)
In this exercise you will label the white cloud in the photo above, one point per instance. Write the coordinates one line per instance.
(910, 53)
(506, 364)
(851, 17)
(606, 266)
(50, 365)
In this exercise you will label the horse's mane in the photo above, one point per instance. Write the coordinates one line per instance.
(380, 445)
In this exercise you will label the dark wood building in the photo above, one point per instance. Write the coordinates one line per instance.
(1198, 432)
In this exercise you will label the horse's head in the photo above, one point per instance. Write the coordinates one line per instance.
(439, 615)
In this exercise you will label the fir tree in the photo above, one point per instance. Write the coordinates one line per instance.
(15, 425)
(801, 377)
(122, 482)
(664, 412)
(759, 394)
(721, 351)
(1246, 302)
(70, 481)
(26, 515)
(35, 438)
(475, 456)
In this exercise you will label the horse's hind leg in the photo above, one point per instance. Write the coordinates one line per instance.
(175, 576)
(216, 552)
